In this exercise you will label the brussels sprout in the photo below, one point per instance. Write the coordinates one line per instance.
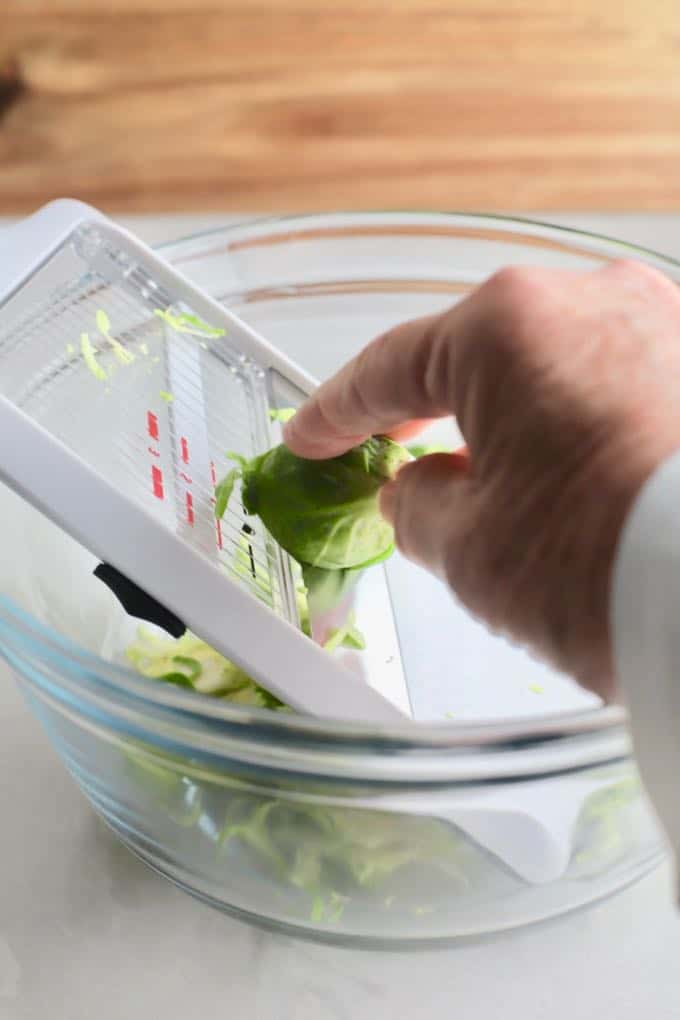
(323, 513)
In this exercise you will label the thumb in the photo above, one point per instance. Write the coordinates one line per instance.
(426, 503)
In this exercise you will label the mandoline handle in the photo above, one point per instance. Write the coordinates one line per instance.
(27, 244)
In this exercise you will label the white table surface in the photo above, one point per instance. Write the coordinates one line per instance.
(88, 933)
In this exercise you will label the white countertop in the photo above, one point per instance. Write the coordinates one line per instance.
(87, 932)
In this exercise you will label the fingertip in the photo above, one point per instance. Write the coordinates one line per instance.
(422, 504)
(304, 445)
(409, 430)
(299, 433)
(305, 436)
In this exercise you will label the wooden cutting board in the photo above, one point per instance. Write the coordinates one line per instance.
(302, 104)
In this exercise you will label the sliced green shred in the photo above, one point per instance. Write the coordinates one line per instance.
(348, 635)
(193, 666)
(122, 354)
(605, 830)
(103, 322)
(205, 327)
(354, 638)
(189, 324)
(282, 414)
(89, 354)
(190, 662)
(178, 679)
(335, 639)
(167, 397)
(318, 908)
(181, 799)
(253, 831)
(336, 907)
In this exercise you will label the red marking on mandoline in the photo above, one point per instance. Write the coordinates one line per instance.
(156, 473)
(152, 424)
(157, 480)
(185, 450)
(190, 508)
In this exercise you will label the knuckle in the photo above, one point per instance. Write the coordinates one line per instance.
(323, 414)
(367, 354)
(639, 275)
(627, 266)
(431, 363)
(516, 296)
(513, 288)
(370, 363)
(356, 400)
(352, 400)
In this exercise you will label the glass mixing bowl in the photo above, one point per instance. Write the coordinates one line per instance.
(337, 832)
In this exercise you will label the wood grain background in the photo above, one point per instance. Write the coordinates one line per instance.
(301, 104)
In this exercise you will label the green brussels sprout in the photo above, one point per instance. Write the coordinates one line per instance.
(323, 513)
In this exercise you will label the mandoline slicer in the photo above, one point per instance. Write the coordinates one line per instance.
(122, 390)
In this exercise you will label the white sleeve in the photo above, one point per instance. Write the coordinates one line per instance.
(645, 615)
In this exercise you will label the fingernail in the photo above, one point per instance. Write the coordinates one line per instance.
(388, 500)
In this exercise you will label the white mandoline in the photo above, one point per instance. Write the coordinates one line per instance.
(122, 390)
(125, 456)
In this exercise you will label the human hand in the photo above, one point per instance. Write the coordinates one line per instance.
(564, 385)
